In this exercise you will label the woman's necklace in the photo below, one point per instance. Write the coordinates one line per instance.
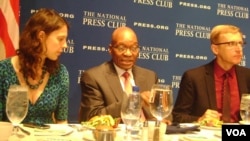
(39, 82)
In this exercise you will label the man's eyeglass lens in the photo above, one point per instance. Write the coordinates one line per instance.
(123, 49)
(233, 44)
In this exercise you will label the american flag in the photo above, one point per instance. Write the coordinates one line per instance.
(9, 27)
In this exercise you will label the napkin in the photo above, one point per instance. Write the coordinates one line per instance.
(177, 128)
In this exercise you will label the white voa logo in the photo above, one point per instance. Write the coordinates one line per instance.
(236, 132)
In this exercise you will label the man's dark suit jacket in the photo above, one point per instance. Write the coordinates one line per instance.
(102, 91)
(197, 92)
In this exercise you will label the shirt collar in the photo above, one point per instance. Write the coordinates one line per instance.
(121, 71)
(219, 72)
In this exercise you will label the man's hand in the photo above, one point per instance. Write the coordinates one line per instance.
(210, 118)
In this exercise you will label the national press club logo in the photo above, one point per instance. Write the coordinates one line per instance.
(98, 19)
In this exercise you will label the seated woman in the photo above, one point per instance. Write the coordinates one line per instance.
(36, 66)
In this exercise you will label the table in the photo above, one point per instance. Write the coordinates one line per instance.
(72, 132)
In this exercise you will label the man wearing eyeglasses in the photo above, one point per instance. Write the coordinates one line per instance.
(212, 92)
(103, 87)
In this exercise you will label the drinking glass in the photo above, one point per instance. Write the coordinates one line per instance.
(245, 108)
(17, 106)
(130, 112)
(161, 101)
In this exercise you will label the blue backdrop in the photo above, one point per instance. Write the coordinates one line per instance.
(173, 34)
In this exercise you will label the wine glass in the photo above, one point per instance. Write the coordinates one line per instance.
(131, 110)
(161, 101)
(17, 106)
(245, 108)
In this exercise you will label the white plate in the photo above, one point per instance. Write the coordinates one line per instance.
(244, 123)
(210, 128)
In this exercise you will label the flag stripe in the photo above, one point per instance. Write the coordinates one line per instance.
(15, 9)
(9, 29)
(9, 48)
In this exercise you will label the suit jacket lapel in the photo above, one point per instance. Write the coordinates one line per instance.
(113, 81)
(209, 79)
(241, 79)
(137, 78)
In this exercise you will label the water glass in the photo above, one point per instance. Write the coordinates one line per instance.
(161, 101)
(17, 106)
(245, 108)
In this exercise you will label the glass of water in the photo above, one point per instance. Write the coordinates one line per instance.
(17, 106)
(161, 101)
(245, 108)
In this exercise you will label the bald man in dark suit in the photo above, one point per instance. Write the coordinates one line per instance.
(102, 91)
(102, 87)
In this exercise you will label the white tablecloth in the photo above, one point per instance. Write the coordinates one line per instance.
(58, 132)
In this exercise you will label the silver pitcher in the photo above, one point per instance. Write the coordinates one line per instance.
(104, 134)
